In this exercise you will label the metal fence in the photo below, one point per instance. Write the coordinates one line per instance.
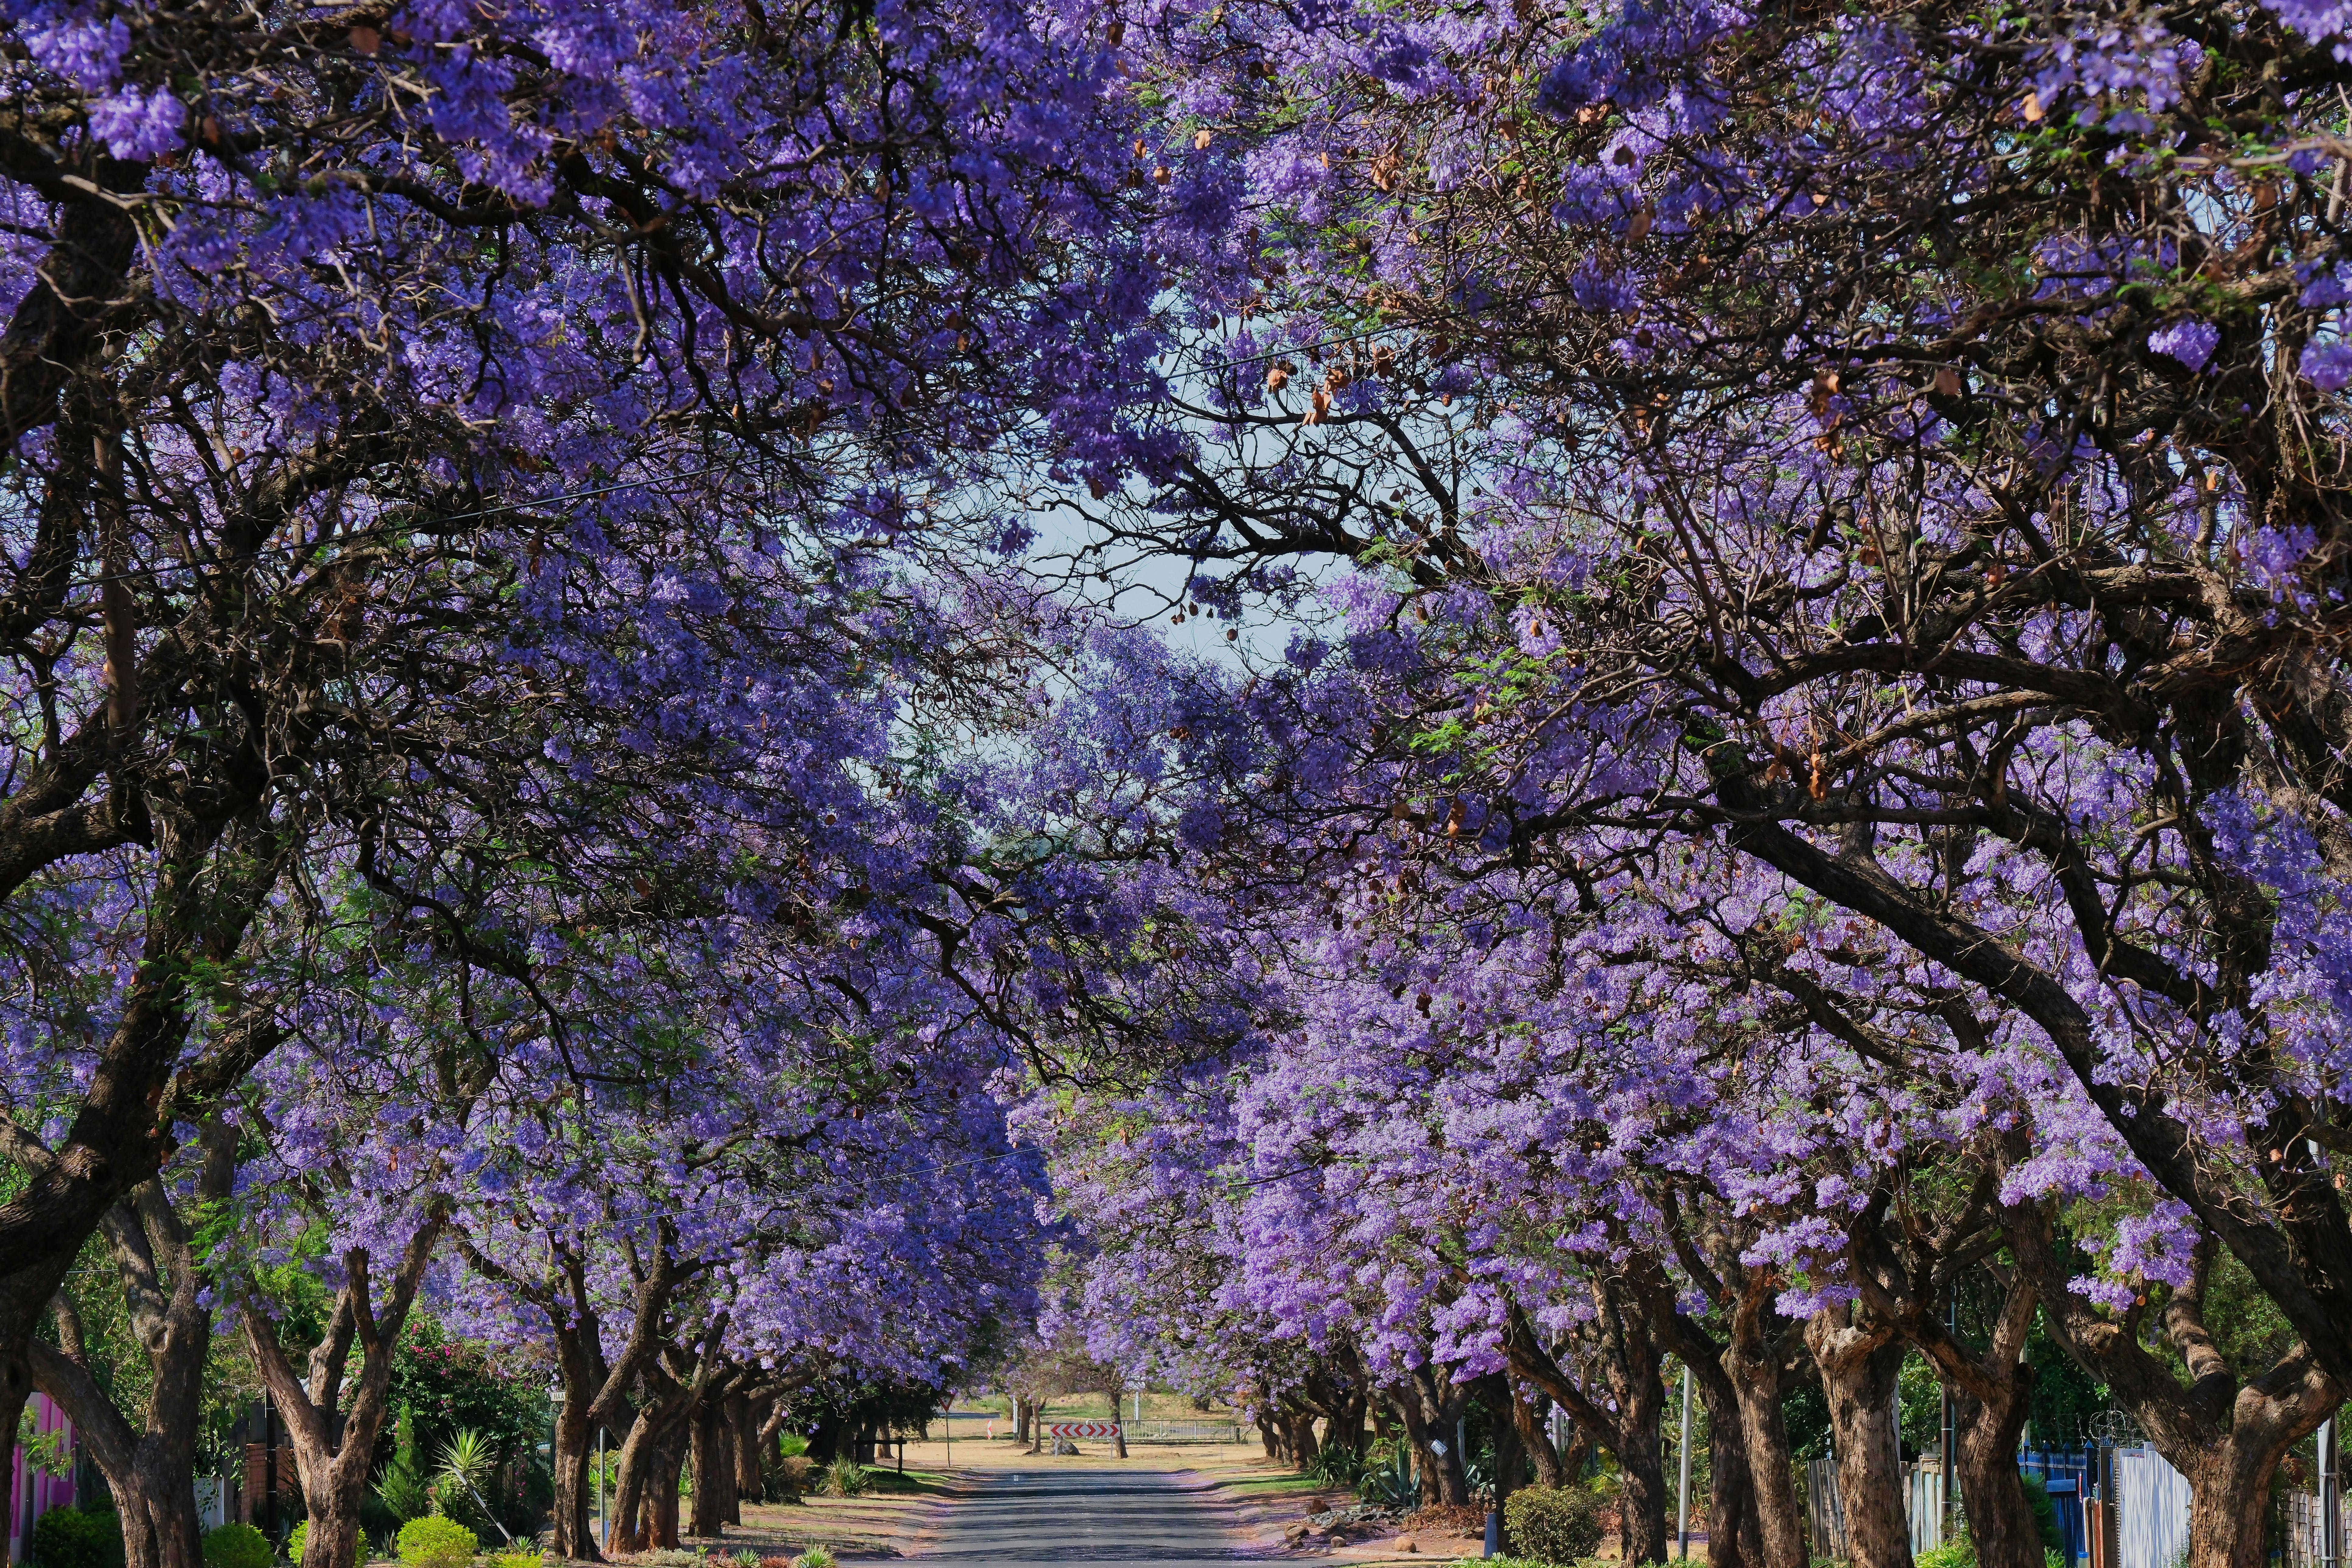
(1184, 1431)
(2146, 1498)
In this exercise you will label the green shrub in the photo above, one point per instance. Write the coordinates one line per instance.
(844, 1478)
(402, 1489)
(1958, 1552)
(792, 1445)
(78, 1538)
(1553, 1524)
(1336, 1466)
(816, 1557)
(2045, 1512)
(237, 1546)
(515, 1560)
(436, 1542)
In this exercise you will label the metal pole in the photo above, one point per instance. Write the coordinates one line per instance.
(1682, 1487)
(603, 1521)
(2331, 1520)
(1947, 1425)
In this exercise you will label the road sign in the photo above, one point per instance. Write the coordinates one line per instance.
(1083, 1429)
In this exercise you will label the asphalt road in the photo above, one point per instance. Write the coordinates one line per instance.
(1127, 1517)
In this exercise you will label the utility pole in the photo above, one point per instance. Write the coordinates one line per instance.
(2331, 1502)
(1682, 1489)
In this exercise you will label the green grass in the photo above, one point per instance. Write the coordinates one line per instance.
(1274, 1484)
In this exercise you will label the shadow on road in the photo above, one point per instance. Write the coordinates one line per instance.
(1017, 1518)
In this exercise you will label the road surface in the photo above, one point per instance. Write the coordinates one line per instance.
(1131, 1518)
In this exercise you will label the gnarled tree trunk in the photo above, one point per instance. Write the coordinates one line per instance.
(1860, 1358)
(150, 1469)
(334, 1466)
(1755, 1362)
(2226, 1436)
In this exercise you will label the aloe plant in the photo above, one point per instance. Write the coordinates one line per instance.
(467, 1462)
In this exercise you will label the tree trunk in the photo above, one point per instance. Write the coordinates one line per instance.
(575, 1488)
(1752, 1360)
(1298, 1430)
(1550, 1470)
(1621, 1343)
(200, 903)
(2226, 1436)
(1268, 1434)
(333, 1467)
(153, 1482)
(1510, 1457)
(669, 1463)
(638, 1480)
(150, 1469)
(714, 1468)
(1432, 1411)
(1861, 1366)
(747, 1414)
(1734, 1533)
(1642, 1519)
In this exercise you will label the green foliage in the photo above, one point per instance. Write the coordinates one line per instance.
(816, 1557)
(78, 1538)
(449, 1385)
(515, 1560)
(1958, 1552)
(433, 1541)
(1805, 1412)
(295, 1541)
(2045, 1513)
(402, 1489)
(1553, 1524)
(237, 1546)
(1336, 1466)
(791, 1445)
(1389, 1480)
(43, 1451)
(844, 1478)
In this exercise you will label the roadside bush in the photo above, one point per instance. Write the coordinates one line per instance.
(297, 1540)
(790, 1479)
(1336, 1466)
(78, 1538)
(1958, 1552)
(237, 1546)
(816, 1557)
(1553, 1524)
(844, 1478)
(433, 1541)
(515, 1560)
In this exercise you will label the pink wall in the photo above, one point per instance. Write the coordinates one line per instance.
(31, 1492)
